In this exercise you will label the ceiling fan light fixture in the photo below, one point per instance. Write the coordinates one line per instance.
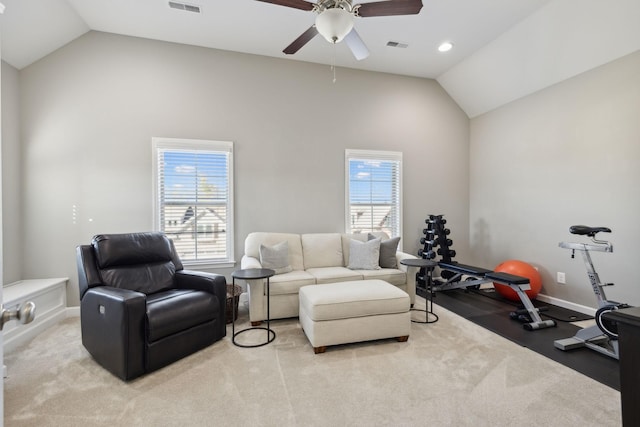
(334, 24)
(445, 46)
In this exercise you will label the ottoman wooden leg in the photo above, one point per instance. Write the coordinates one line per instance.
(318, 350)
(403, 338)
(258, 323)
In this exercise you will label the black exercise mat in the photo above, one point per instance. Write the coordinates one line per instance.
(551, 311)
(493, 315)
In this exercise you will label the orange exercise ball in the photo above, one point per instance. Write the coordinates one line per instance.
(522, 269)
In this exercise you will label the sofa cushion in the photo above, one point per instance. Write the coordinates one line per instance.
(364, 255)
(388, 249)
(276, 257)
(322, 250)
(289, 283)
(254, 240)
(389, 275)
(334, 274)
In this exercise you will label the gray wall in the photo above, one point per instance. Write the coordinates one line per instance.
(569, 154)
(11, 177)
(89, 111)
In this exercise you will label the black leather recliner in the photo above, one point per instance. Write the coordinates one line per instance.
(139, 309)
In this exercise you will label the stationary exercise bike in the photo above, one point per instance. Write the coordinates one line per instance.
(603, 336)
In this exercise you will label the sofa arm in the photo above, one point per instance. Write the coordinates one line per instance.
(249, 262)
(411, 277)
(256, 290)
(208, 282)
(112, 324)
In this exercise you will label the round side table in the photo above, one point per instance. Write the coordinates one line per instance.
(252, 274)
(428, 265)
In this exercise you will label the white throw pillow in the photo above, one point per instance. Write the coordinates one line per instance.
(276, 257)
(364, 255)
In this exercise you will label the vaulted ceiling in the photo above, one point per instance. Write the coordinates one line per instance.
(503, 49)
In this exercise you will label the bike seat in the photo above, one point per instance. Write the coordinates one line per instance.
(588, 231)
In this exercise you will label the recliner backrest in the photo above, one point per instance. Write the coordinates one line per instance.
(143, 262)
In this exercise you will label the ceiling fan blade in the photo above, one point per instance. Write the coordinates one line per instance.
(390, 7)
(297, 4)
(301, 41)
(357, 46)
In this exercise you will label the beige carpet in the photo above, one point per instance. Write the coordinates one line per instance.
(451, 373)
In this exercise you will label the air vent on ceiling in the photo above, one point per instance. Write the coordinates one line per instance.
(397, 44)
(184, 6)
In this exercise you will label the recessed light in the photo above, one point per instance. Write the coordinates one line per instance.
(445, 47)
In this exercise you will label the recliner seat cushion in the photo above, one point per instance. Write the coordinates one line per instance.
(166, 311)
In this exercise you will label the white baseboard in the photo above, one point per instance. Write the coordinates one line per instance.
(72, 312)
(567, 304)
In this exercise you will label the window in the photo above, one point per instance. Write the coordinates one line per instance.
(374, 191)
(194, 198)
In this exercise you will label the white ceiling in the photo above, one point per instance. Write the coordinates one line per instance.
(31, 29)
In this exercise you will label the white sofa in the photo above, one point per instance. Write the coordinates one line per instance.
(316, 258)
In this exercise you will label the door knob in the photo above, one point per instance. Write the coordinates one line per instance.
(25, 313)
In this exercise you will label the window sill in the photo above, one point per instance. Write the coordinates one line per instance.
(207, 265)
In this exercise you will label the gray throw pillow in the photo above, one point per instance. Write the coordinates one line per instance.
(276, 257)
(364, 255)
(388, 249)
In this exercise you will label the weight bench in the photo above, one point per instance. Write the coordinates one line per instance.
(479, 275)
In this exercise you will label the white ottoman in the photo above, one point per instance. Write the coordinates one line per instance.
(347, 312)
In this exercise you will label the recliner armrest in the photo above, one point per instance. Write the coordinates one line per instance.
(201, 281)
(208, 282)
(112, 324)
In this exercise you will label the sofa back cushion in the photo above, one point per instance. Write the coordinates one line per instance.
(322, 250)
(361, 237)
(254, 240)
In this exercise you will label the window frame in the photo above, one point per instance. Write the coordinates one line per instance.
(181, 144)
(374, 155)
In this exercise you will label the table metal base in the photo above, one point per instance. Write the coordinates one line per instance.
(271, 335)
(428, 311)
(246, 275)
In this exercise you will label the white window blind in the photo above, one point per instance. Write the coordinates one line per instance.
(194, 198)
(374, 191)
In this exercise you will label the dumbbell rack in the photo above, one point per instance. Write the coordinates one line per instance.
(435, 236)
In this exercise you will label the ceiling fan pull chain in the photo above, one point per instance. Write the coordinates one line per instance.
(333, 63)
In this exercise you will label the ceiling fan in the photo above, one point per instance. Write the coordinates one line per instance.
(335, 20)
